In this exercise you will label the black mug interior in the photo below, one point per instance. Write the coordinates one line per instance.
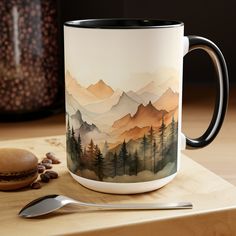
(124, 23)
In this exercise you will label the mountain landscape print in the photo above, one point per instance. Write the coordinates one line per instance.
(118, 134)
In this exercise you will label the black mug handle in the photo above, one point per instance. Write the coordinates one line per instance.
(196, 42)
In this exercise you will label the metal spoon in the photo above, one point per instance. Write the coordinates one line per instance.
(49, 203)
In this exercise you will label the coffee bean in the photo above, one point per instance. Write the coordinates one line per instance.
(51, 156)
(52, 174)
(29, 55)
(56, 161)
(41, 168)
(44, 178)
(35, 185)
(46, 160)
(47, 165)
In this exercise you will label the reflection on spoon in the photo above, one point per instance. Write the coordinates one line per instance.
(50, 203)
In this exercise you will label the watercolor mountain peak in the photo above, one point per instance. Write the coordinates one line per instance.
(112, 125)
(101, 90)
(126, 101)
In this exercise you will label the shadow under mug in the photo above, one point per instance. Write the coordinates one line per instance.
(124, 101)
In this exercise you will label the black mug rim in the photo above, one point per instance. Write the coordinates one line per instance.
(123, 23)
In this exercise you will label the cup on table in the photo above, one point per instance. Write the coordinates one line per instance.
(124, 101)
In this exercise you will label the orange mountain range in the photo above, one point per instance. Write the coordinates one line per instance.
(145, 116)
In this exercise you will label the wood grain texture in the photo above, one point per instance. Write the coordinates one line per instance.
(214, 201)
(48, 126)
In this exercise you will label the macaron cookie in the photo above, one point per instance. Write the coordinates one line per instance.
(18, 168)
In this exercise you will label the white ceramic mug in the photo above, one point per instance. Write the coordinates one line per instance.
(124, 101)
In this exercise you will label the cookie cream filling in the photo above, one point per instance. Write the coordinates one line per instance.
(17, 175)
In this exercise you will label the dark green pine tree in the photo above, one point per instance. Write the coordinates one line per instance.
(172, 129)
(72, 133)
(144, 148)
(136, 160)
(90, 155)
(79, 150)
(123, 156)
(129, 167)
(98, 163)
(68, 137)
(173, 141)
(154, 150)
(114, 164)
(73, 144)
(151, 137)
(162, 135)
(91, 150)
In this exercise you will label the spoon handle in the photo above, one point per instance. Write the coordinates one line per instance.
(140, 206)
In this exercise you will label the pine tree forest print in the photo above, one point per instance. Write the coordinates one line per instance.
(122, 136)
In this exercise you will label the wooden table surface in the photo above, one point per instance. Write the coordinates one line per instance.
(213, 199)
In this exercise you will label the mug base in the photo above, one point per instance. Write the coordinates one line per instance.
(123, 188)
